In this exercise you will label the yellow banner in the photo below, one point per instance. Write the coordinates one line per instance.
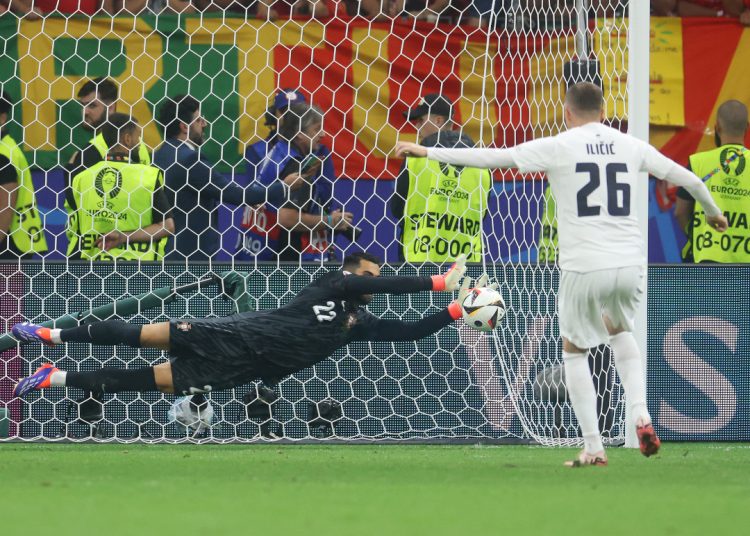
(667, 98)
(667, 102)
(610, 43)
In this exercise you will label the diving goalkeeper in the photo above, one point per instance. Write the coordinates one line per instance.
(219, 353)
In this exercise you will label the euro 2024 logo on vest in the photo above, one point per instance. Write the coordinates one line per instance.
(449, 170)
(449, 188)
(108, 183)
(449, 184)
(732, 157)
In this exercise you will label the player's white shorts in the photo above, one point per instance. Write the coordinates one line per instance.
(585, 297)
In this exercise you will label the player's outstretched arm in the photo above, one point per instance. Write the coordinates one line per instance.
(378, 329)
(660, 166)
(357, 285)
(396, 330)
(692, 183)
(480, 158)
(405, 148)
(720, 222)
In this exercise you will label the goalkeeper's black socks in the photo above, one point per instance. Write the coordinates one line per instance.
(109, 332)
(108, 380)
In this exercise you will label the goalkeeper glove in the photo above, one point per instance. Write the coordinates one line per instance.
(455, 308)
(449, 280)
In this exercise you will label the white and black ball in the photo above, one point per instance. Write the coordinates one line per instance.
(483, 309)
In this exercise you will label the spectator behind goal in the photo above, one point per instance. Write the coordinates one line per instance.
(726, 173)
(256, 152)
(117, 208)
(98, 99)
(21, 233)
(300, 228)
(440, 207)
(193, 185)
(735, 9)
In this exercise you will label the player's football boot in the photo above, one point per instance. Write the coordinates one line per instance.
(39, 380)
(28, 332)
(584, 458)
(647, 439)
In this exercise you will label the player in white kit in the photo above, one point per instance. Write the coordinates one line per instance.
(593, 172)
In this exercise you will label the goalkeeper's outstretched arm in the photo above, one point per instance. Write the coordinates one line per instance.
(372, 328)
(378, 329)
(357, 285)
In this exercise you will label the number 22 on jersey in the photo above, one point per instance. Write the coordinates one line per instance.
(326, 313)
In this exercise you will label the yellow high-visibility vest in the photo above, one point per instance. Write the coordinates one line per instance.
(729, 185)
(26, 227)
(444, 211)
(114, 195)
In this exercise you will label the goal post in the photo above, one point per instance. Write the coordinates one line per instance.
(638, 123)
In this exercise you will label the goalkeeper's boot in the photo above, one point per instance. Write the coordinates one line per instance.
(647, 439)
(584, 458)
(28, 332)
(39, 380)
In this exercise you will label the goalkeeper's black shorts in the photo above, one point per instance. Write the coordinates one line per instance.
(209, 355)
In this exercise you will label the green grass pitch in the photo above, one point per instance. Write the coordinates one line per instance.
(161, 490)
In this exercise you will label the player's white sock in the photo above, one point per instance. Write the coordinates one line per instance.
(582, 396)
(630, 368)
(57, 379)
(54, 335)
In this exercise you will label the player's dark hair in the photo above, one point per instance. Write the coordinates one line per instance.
(116, 125)
(298, 118)
(176, 110)
(585, 98)
(354, 259)
(104, 87)
(6, 105)
(732, 116)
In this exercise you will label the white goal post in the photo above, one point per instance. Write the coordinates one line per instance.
(638, 121)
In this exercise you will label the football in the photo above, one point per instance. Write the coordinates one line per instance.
(483, 309)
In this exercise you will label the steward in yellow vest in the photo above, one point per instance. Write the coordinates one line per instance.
(726, 173)
(98, 97)
(118, 209)
(21, 233)
(444, 208)
(97, 151)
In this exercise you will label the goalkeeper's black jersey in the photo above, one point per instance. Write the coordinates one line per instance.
(326, 315)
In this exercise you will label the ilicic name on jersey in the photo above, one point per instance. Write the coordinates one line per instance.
(600, 148)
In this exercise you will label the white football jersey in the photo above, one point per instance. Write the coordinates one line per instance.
(593, 172)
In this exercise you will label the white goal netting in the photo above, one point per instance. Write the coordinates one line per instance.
(362, 73)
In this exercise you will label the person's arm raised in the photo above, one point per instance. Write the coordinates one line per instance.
(357, 285)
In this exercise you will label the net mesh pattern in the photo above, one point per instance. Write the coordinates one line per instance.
(506, 86)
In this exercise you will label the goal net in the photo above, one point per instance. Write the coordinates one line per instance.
(505, 86)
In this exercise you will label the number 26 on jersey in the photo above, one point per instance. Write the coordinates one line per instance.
(618, 193)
